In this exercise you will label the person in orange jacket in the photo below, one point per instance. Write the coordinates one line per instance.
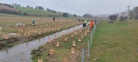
(91, 24)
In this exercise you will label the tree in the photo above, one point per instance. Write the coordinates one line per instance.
(39, 7)
(75, 15)
(122, 18)
(113, 17)
(65, 14)
(27, 6)
(24, 13)
(15, 5)
(50, 10)
(87, 15)
(136, 12)
(131, 14)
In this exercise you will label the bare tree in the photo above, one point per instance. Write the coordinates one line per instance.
(87, 15)
(136, 12)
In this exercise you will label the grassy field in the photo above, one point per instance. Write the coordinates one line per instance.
(112, 42)
(6, 15)
(115, 42)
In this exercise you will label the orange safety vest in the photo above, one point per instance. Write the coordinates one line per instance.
(91, 24)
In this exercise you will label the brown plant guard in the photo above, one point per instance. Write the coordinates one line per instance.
(88, 30)
(26, 34)
(51, 52)
(79, 39)
(72, 35)
(40, 60)
(66, 39)
(65, 59)
(75, 33)
(82, 36)
(39, 33)
(58, 44)
(85, 34)
(18, 34)
(6, 36)
(74, 44)
(72, 50)
(49, 40)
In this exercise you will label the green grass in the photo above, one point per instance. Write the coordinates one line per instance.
(7, 15)
(31, 11)
(112, 42)
(115, 42)
(63, 51)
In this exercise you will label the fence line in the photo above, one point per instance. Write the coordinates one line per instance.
(89, 45)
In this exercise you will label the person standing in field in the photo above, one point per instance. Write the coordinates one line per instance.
(54, 19)
(91, 24)
(33, 22)
(84, 24)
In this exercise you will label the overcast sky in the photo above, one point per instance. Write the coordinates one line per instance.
(80, 7)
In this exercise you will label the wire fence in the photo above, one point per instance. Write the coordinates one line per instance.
(86, 52)
(83, 54)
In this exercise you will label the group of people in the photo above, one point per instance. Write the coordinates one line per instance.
(91, 24)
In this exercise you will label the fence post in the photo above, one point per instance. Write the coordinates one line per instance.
(94, 29)
(88, 48)
(82, 55)
(91, 38)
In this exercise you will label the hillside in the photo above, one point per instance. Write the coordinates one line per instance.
(31, 11)
(18, 10)
(5, 8)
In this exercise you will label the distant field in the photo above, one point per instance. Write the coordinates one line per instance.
(31, 11)
(115, 42)
(6, 22)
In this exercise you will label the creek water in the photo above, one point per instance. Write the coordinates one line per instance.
(22, 52)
